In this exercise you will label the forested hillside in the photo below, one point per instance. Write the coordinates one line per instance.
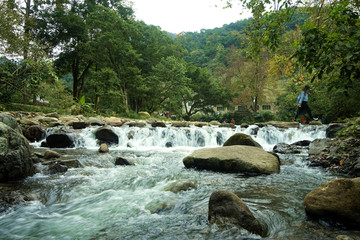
(93, 57)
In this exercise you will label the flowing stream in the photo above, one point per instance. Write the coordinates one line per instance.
(103, 201)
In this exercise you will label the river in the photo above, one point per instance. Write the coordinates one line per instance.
(103, 201)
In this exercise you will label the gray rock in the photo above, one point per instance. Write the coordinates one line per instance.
(34, 133)
(338, 200)
(158, 124)
(181, 185)
(60, 140)
(103, 148)
(15, 155)
(80, 125)
(234, 159)
(318, 146)
(48, 154)
(333, 129)
(241, 139)
(123, 162)
(106, 135)
(225, 207)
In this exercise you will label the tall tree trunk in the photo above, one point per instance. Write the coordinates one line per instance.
(27, 28)
(75, 74)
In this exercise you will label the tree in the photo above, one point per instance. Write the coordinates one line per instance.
(330, 44)
(64, 26)
(202, 92)
(167, 84)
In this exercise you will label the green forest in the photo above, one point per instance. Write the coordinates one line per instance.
(93, 57)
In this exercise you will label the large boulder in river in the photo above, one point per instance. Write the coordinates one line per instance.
(15, 155)
(338, 200)
(234, 159)
(106, 135)
(60, 140)
(34, 133)
(241, 139)
(225, 207)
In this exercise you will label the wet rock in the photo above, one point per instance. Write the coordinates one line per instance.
(180, 124)
(27, 122)
(225, 207)
(12, 197)
(319, 146)
(303, 143)
(237, 158)
(151, 120)
(15, 155)
(287, 148)
(215, 123)
(169, 144)
(244, 125)
(157, 206)
(106, 135)
(49, 121)
(283, 124)
(116, 124)
(55, 168)
(123, 162)
(34, 133)
(48, 154)
(10, 121)
(254, 131)
(158, 124)
(181, 185)
(338, 200)
(52, 115)
(333, 129)
(103, 148)
(80, 125)
(200, 124)
(136, 124)
(227, 125)
(241, 139)
(60, 140)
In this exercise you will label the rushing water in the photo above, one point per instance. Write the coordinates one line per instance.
(103, 201)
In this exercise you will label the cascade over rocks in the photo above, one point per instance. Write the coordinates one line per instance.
(234, 159)
(15, 154)
(106, 135)
(241, 139)
(225, 207)
(338, 200)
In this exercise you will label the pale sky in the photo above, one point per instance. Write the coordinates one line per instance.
(178, 16)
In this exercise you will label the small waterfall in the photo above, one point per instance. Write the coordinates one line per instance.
(208, 136)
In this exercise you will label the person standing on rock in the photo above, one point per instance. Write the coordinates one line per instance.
(302, 103)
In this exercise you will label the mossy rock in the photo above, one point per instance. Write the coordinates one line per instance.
(241, 139)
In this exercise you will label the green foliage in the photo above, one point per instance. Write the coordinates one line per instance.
(330, 45)
(352, 129)
(264, 116)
